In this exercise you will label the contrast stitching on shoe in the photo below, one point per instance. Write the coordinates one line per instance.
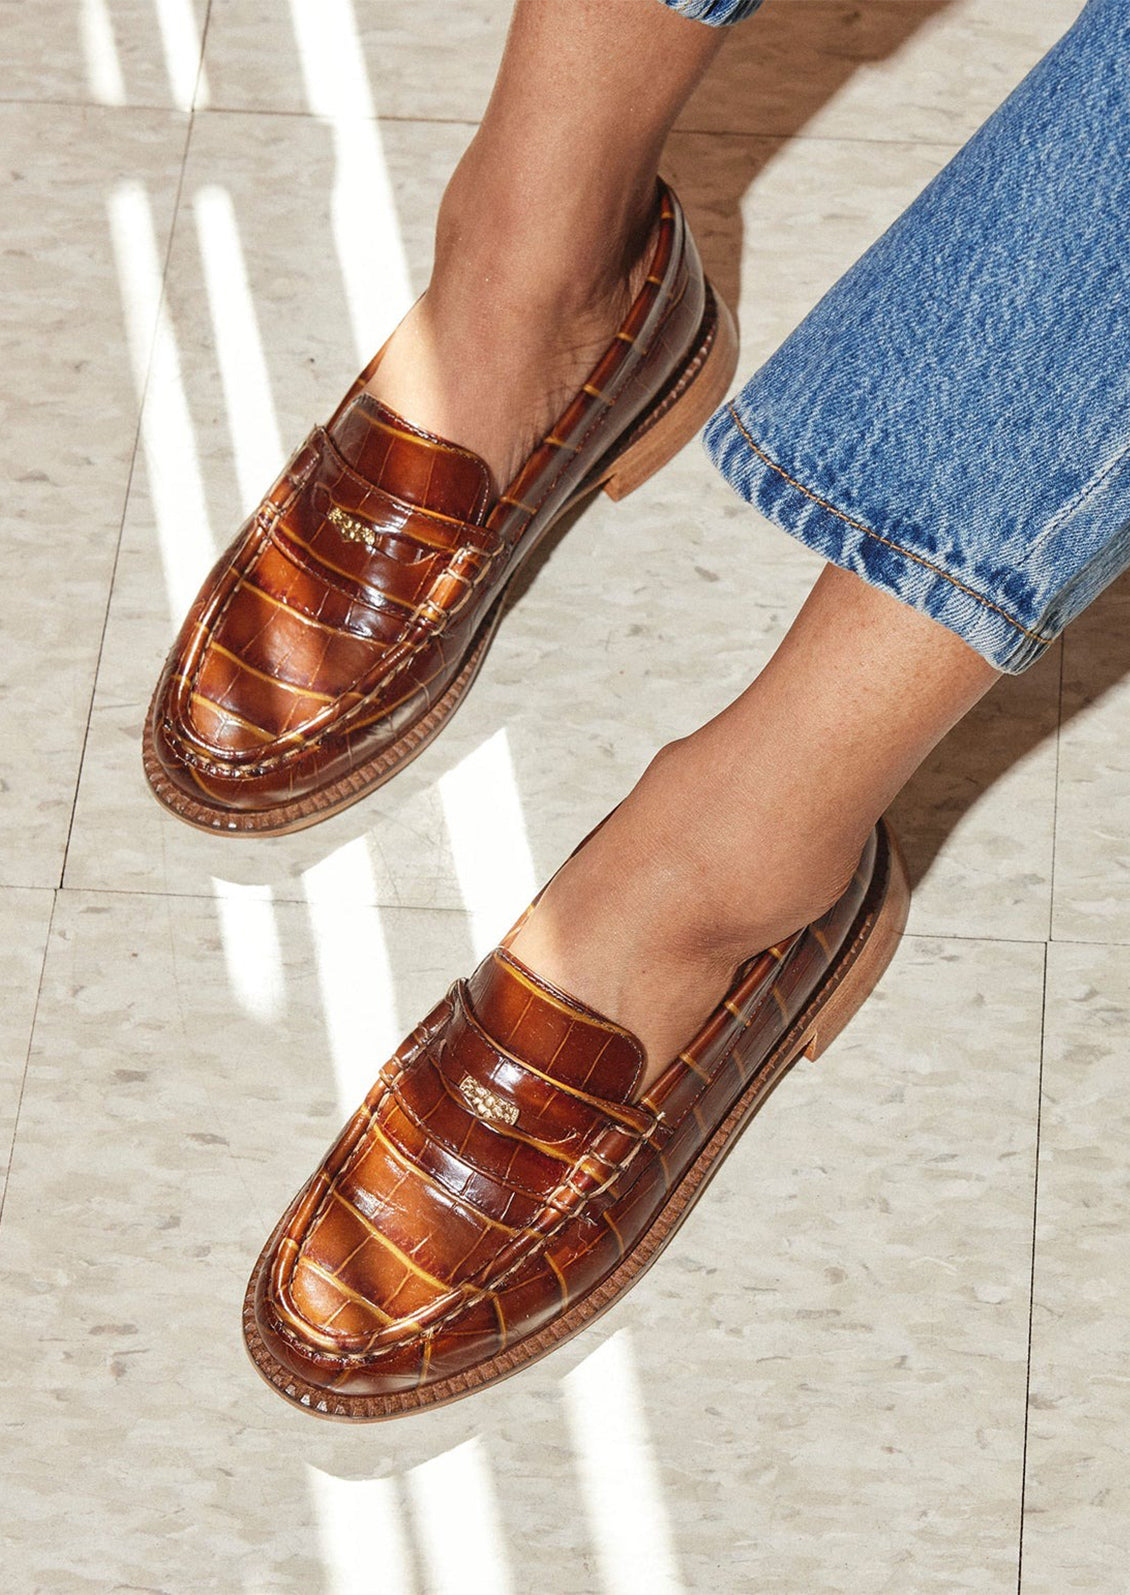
(404, 1157)
(625, 378)
(230, 714)
(708, 1081)
(340, 725)
(323, 566)
(417, 1123)
(539, 1241)
(390, 756)
(532, 981)
(365, 398)
(547, 1149)
(708, 329)
(301, 615)
(608, 1110)
(268, 522)
(411, 648)
(536, 1243)
(886, 541)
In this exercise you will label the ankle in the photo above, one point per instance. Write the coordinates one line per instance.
(684, 883)
(553, 248)
(738, 864)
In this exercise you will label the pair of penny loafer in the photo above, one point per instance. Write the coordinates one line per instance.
(505, 1180)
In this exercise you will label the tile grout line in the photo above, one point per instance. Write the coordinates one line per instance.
(131, 471)
(470, 121)
(1055, 786)
(27, 1053)
(1032, 1284)
(1039, 1126)
(400, 906)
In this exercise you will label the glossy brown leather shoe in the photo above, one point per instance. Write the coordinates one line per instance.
(502, 1184)
(346, 622)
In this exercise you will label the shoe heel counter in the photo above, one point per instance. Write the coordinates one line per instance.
(882, 920)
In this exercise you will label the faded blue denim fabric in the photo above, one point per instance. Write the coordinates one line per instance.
(716, 12)
(952, 420)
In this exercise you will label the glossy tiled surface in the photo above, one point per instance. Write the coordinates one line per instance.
(1077, 1534)
(25, 919)
(1092, 897)
(103, 52)
(70, 424)
(924, 70)
(885, 1352)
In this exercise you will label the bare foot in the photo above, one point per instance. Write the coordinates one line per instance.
(520, 307)
(649, 921)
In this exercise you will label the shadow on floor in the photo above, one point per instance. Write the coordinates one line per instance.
(1011, 722)
(789, 62)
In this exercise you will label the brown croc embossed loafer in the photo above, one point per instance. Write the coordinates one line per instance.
(346, 622)
(503, 1182)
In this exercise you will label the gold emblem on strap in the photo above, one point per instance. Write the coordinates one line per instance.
(485, 1104)
(353, 530)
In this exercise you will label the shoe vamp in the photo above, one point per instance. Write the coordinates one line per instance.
(293, 653)
(440, 1203)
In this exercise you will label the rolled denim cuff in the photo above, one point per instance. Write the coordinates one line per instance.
(952, 421)
(898, 566)
(715, 13)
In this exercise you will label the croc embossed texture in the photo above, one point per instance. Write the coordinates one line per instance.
(504, 1182)
(346, 622)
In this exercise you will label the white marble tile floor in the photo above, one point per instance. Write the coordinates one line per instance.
(885, 1356)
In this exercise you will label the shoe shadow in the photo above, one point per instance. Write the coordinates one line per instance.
(1015, 719)
(771, 79)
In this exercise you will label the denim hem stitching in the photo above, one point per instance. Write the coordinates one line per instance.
(879, 538)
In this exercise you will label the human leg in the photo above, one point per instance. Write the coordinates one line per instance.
(951, 424)
(752, 826)
(952, 420)
(542, 236)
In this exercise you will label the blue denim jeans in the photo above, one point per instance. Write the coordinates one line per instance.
(716, 12)
(952, 420)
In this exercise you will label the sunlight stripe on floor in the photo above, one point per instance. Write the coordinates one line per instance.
(256, 444)
(374, 267)
(182, 44)
(103, 67)
(360, 1535)
(176, 488)
(354, 975)
(457, 1523)
(489, 844)
(619, 1478)
(331, 58)
(250, 934)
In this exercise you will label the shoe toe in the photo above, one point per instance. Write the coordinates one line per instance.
(343, 1310)
(246, 712)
